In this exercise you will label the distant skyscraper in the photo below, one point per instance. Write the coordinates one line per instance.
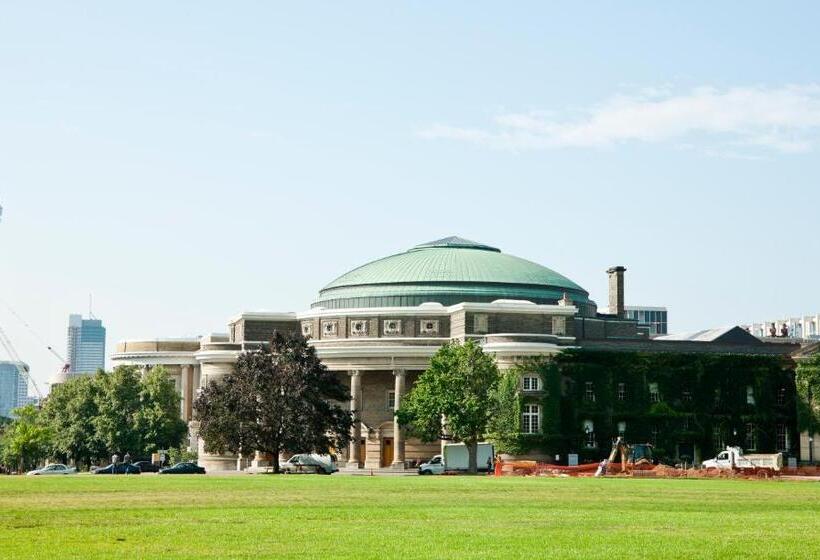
(13, 387)
(85, 345)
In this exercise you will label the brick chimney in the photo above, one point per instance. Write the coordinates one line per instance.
(616, 291)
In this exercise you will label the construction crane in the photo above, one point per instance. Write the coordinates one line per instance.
(21, 367)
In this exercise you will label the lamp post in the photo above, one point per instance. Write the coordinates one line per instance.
(811, 449)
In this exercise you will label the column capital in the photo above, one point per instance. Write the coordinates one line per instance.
(354, 373)
(399, 371)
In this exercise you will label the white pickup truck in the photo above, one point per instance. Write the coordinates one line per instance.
(456, 458)
(733, 458)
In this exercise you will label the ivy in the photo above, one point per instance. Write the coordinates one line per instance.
(808, 391)
(696, 395)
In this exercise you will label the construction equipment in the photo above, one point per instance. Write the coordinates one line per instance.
(21, 367)
(631, 456)
(732, 458)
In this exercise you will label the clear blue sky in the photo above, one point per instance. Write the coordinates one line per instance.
(187, 161)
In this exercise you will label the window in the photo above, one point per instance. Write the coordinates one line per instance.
(654, 393)
(781, 396)
(480, 324)
(589, 391)
(685, 424)
(307, 329)
(589, 434)
(391, 400)
(559, 326)
(358, 327)
(428, 326)
(531, 383)
(686, 395)
(750, 395)
(654, 435)
(392, 326)
(330, 328)
(782, 438)
(622, 391)
(622, 428)
(718, 441)
(531, 419)
(751, 437)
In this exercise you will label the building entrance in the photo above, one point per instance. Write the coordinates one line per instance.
(387, 452)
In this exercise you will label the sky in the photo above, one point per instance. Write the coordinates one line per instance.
(184, 162)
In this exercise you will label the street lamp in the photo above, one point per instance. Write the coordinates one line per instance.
(811, 449)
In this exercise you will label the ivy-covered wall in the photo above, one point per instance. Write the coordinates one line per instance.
(696, 395)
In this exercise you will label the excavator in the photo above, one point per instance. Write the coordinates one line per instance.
(631, 456)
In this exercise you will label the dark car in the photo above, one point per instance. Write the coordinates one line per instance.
(147, 466)
(121, 468)
(183, 468)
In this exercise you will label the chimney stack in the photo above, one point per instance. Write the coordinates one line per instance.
(616, 291)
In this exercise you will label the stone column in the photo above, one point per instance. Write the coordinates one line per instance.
(355, 408)
(398, 437)
(185, 390)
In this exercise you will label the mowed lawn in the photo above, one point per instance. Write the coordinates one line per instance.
(317, 517)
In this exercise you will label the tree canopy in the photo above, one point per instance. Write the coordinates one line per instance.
(91, 417)
(279, 398)
(26, 440)
(456, 397)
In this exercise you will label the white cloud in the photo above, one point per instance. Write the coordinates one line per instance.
(784, 119)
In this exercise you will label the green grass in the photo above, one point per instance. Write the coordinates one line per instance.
(431, 518)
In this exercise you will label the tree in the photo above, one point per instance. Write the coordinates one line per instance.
(456, 394)
(26, 441)
(279, 398)
(157, 419)
(70, 411)
(91, 417)
(118, 402)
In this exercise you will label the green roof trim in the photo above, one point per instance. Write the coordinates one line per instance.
(450, 270)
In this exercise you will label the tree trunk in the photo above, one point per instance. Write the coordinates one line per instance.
(472, 450)
(275, 460)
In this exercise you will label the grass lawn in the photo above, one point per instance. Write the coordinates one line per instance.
(349, 517)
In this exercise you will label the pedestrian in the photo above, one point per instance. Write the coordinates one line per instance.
(115, 460)
(127, 458)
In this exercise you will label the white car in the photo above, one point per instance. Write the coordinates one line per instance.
(310, 463)
(54, 468)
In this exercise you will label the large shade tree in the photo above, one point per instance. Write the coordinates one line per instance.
(92, 417)
(456, 397)
(279, 398)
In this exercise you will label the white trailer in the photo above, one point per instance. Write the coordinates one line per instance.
(456, 458)
(733, 458)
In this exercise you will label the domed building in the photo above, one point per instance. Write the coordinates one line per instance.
(378, 325)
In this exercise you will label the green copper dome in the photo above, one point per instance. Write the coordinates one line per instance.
(448, 271)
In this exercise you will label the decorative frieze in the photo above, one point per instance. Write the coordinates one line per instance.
(559, 326)
(330, 329)
(392, 327)
(307, 329)
(429, 326)
(358, 327)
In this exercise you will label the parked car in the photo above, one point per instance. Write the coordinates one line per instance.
(147, 466)
(183, 468)
(55, 468)
(120, 468)
(310, 463)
